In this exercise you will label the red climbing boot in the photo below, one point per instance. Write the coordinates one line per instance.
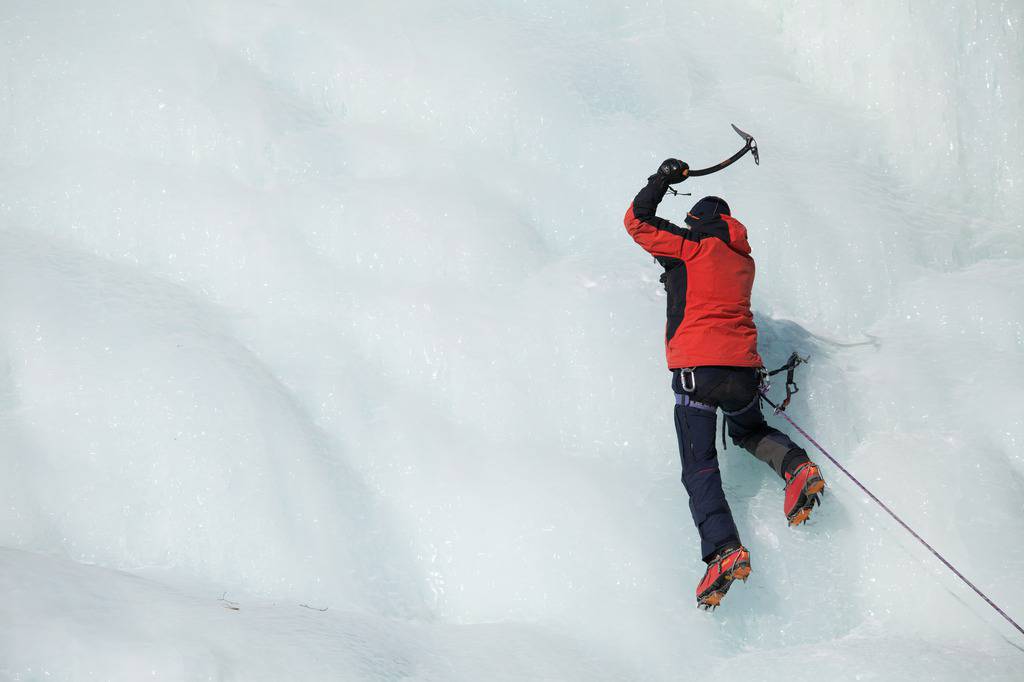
(802, 488)
(732, 563)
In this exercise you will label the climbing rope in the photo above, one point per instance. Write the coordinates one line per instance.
(780, 409)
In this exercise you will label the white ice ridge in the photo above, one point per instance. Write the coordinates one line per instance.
(331, 304)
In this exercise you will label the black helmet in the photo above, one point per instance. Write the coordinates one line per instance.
(707, 209)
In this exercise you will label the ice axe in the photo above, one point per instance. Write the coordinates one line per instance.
(749, 146)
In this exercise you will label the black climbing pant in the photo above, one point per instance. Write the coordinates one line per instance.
(735, 391)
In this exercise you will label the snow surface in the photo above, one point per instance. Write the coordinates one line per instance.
(330, 304)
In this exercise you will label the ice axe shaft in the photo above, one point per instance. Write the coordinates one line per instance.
(750, 146)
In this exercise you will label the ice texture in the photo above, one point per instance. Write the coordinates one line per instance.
(330, 304)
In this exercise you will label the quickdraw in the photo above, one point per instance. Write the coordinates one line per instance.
(792, 389)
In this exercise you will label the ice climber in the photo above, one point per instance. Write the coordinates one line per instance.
(711, 344)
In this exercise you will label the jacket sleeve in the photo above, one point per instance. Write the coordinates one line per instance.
(657, 236)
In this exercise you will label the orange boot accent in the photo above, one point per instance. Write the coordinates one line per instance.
(730, 565)
(803, 487)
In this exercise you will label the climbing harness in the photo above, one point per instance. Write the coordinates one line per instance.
(687, 401)
(756, 400)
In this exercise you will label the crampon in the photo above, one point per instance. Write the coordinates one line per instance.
(803, 488)
(730, 564)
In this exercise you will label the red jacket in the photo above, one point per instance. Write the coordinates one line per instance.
(708, 276)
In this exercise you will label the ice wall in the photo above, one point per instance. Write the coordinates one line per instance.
(940, 82)
(331, 304)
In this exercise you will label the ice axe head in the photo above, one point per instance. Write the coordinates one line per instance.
(751, 143)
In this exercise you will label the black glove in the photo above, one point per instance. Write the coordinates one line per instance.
(673, 170)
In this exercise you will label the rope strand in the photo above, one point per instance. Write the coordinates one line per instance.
(894, 516)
